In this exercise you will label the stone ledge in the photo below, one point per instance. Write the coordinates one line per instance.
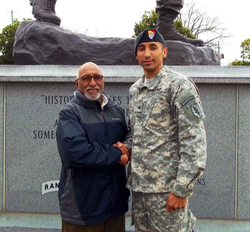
(13, 222)
(29, 222)
(16, 222)
(121, 74)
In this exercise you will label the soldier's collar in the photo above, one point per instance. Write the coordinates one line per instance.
(152, 84)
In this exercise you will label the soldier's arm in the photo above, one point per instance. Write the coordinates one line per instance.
(192, 140)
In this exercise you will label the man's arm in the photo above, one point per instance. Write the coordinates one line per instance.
(128, 139)
(74, 149)
(191, 138)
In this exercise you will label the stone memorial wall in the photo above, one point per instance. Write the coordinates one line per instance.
(31, 97)
(1, 143)
(243, 153)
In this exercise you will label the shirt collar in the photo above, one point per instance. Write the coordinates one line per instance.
(104, 101)
(91, 103)
(153, 83)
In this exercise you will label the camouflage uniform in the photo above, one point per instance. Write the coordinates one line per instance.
(150, 215)
(167, 138)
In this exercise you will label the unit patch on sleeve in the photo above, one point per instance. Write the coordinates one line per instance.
(192, 107)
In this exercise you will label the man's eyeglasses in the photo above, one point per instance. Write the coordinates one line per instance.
(88, 78)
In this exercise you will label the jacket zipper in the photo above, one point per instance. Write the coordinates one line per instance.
(113, 182)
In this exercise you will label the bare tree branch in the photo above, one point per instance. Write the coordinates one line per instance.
(200, 23)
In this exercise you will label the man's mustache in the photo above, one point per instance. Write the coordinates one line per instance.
(90, 88)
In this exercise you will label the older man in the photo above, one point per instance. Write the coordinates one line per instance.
(92, 192)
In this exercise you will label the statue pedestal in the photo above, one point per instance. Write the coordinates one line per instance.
(46, 43)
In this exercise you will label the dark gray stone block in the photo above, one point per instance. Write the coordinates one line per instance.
(214, 196)
(1, 144)
(244, 153)
(32, 157)
(36, 94)
(33, 161)
(45, 43)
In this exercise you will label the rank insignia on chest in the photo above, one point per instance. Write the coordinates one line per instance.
(139, 107)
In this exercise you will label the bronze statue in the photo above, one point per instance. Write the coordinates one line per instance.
(44, 10)
(167, 10)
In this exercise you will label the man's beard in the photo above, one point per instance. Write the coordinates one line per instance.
(93, 98)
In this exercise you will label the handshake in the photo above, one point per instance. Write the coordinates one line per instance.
(125, 157)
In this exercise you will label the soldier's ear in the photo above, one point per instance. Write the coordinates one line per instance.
(165, 52)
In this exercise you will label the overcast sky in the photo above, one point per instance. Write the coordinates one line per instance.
(98, 18)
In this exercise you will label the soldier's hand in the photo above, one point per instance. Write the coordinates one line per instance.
(174, 202)
(124, 149)
(125, 157)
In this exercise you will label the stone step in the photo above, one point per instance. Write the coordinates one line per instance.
(18, 222)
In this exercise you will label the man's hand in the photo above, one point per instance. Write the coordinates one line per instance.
(125, 152)
(123, 160)
(174, 202)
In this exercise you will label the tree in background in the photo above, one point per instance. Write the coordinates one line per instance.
(245, 54)
(7, 42)
(199, 23)
(192, 22)
(149, 19)
(183, 30)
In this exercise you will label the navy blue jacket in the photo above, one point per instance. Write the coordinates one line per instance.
(92, 184)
